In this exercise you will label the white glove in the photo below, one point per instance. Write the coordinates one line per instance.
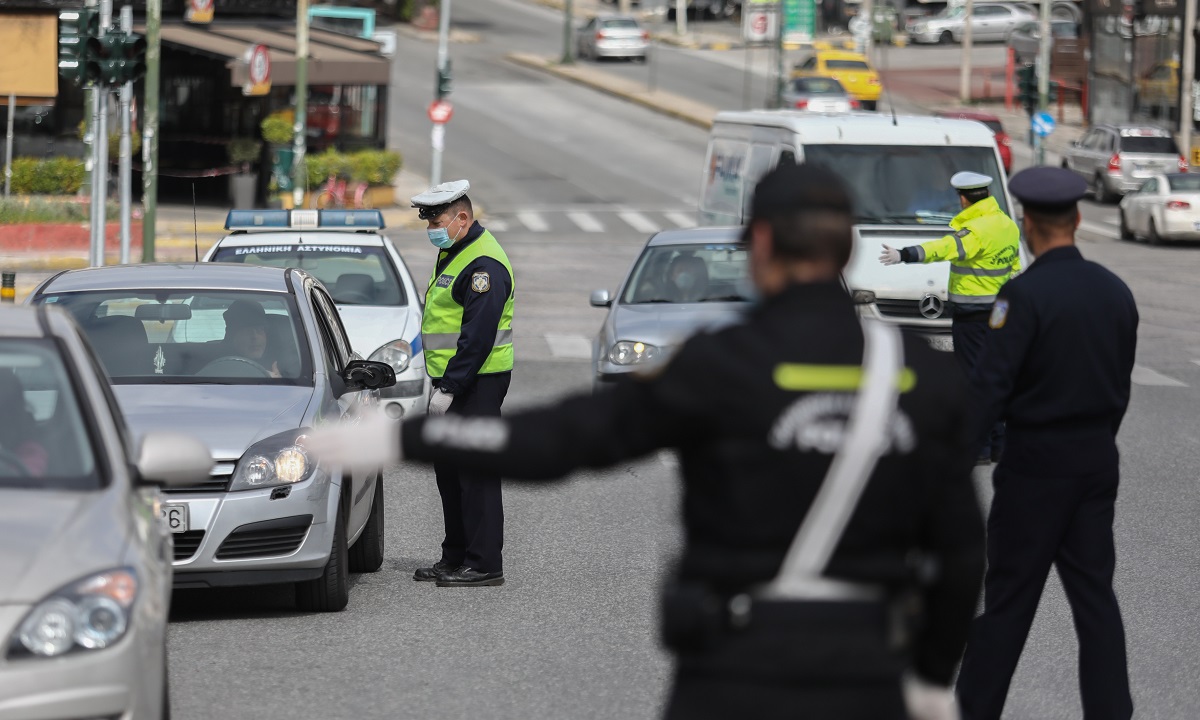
(439, 402)
(926, 701)
(889, 256)
(371, 440)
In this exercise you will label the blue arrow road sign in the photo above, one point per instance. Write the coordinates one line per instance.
(1043, 124)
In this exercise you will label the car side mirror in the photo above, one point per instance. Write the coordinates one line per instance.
(601, 298)
(368, 375)
(172, 459)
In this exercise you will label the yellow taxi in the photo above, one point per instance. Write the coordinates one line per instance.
(849, 68)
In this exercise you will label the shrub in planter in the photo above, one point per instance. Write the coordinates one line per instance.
(39, 210)
(243, 152)
(48, 176)
(277, 128)
(374, 167)
(320, 166)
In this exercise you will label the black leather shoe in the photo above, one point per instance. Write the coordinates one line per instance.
(429, 574)
(466, 577)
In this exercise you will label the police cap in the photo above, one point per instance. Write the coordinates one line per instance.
(970, 181)
(1048, 189)
(434, 201)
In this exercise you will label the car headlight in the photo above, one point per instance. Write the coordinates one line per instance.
(90, 614)
(278, 460)
(397, 353)
(632, 352)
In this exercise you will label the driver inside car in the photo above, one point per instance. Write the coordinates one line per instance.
(246, 334)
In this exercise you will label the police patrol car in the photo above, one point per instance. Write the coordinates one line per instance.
(374, 292)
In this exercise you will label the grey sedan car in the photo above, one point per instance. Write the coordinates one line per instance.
(684, 281)
(84, 557)
(1118, 159)
(818, 94)
(248, 359)
(612, 36)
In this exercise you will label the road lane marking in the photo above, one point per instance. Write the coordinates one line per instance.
(533, 221)
(1101, 230)
(1145, 376)
(638, 221)
(496, 224)
(571, 347)
(680, 219)
(586, 221)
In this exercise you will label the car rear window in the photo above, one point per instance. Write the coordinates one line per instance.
(353, 274)
(689, 274)
(847, 65)
(1190, 182)
(819, 86)
(1152, 145)
(993, 125)
(620, 24)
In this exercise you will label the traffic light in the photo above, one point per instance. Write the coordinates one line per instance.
(1052, 93)
(75, 27)
(443, 81)
(1027, 86)
(116, 58)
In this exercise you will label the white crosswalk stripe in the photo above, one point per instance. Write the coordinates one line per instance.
(680, 219)
(533, 221)
(496, 224)
(638, 221)
(586, 221)
(1145, 376)
(569, 346)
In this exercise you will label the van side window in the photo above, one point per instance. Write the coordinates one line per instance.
(724, 180)
(787, 156)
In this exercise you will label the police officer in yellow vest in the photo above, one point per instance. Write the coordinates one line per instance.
(984, 252)
(466, 334)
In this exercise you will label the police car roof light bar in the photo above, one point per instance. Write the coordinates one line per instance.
(249, 220)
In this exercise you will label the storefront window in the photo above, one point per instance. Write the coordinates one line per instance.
(1156, 70)
(342, 115)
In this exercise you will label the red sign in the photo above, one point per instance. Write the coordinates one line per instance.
(199, 11)
(758, 24)
(258, 70)
(440, 112)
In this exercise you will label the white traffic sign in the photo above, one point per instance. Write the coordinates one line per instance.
(759, 24)
(1043, 124)
(440, 112)
(258, 70)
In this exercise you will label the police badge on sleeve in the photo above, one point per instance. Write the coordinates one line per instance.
(999, 314)
(481, 282)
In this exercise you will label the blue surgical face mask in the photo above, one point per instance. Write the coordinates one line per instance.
(439, 237)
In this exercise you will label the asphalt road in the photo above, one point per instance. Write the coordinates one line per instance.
(573, 182)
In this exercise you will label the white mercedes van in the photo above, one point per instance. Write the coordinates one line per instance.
(898, 171)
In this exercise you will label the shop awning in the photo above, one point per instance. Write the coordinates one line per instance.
(332, 59)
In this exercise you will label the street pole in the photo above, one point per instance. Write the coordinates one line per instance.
(680, 17)
(964, 79)
(779, 79)
(300, 128)
(125, 170)
(1043, 72)
(8, 143)
(626, 6)
(150, 128)
(438, 134)
(100, 152)
(868, 11)
(568, 57)
(1187, 98)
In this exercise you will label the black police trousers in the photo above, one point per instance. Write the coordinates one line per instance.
(471, 501)
(1036, 522)
(969, 331)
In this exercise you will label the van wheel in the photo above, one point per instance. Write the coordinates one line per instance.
(366, 556)
(331, 591)
(1126, 234)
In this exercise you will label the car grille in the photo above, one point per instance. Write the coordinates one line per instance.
(898, 308)
(218, 481)
(187, 543)
(266, 538)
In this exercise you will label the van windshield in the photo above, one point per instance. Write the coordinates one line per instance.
(906, 184)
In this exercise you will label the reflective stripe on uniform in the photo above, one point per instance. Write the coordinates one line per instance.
(920, 254)
(982, 299)
(981, 272)
(449, 341)
(795, 377)
(962, 250)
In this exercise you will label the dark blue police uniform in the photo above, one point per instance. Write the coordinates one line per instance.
(1056, 367)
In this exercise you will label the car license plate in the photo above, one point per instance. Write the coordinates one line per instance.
(945, 343)
(176, 517)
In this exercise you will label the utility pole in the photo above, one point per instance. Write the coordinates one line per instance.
(568, 57)
(780, 80)
(1187, 100)
(443, 70)
(680, 17)
(100, 151)
(125, 169)
(150, 128)
(8, 143)
(300, 128)
(868, 13)
(1043, 72)
(964, 79)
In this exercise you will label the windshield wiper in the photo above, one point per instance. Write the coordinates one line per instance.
(653, 300)
(936, 216)
(727, 298)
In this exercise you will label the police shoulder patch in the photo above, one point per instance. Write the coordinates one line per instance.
(481, 282)
(999, 314)
(962, 233)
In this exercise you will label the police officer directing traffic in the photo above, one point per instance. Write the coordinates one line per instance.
(466, 333)
(1056, 365)
(984, 252)
(825, 484)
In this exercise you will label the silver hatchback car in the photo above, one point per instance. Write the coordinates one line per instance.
(1118, 159)
(248, 359)
(84, 557)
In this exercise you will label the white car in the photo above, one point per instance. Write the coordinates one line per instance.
(1166, 207)
(989, 22)
(371, 286)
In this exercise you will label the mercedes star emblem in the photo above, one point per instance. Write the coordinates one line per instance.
(931, 306)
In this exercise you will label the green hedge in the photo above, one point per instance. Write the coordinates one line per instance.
(374, 167)
(42, 210)
(49, 176)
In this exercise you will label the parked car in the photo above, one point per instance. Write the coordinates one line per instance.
(1026, 39)
(851, 69)
(819, 94)
(612, 36)
(84, 554)
(1166, 207)
(684, 280)
(1003, 141)
(1117, 159)
(369, 282)
(989, 22)
(248, 359)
